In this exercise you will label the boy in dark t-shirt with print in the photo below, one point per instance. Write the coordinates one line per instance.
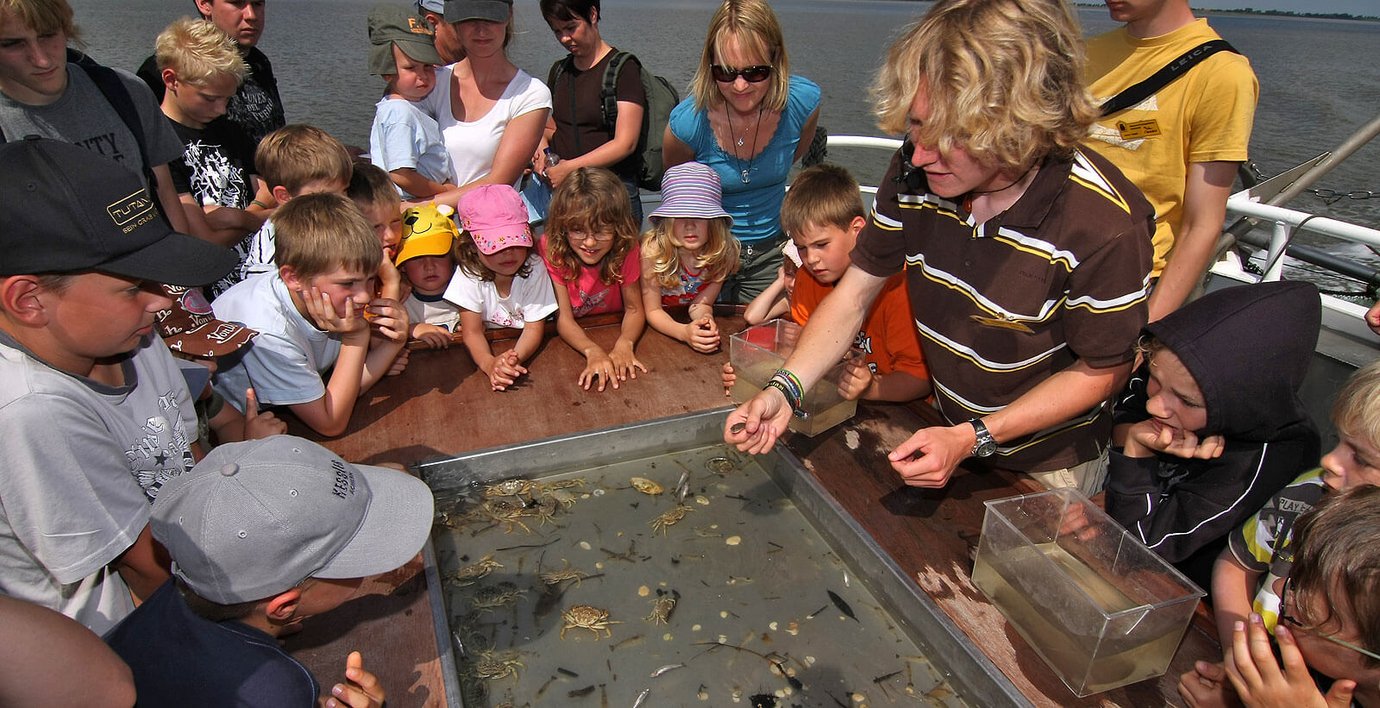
(215, 178)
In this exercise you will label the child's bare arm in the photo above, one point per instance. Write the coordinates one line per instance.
(598, 364)
(200, 226)
(1233, 590)
(472, 334)
(897, 386)
(770, 303)
(659, 319)
(530, 340)
(330, 414)
(625, 362)
(391, 322)
(430, 335)
(415, 184)
(361, 689)
(143, 566)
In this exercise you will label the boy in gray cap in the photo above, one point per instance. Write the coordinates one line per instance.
(94, 414)
(264, 534)
(404, 141)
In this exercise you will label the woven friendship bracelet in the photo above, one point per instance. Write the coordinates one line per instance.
(791, 400)
(793, 380)
(789, 385)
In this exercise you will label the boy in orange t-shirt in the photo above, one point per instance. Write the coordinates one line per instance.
(823, 214)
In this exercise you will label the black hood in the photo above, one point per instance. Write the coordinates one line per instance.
(1248, 348)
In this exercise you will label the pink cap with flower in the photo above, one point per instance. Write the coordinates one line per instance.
(495, 217)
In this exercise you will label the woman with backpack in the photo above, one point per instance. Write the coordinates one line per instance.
(749, 119)
(580, 133)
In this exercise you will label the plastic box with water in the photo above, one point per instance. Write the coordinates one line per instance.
(1097, 605)
(758, 351)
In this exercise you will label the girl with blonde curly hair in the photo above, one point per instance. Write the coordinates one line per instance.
(687, 255)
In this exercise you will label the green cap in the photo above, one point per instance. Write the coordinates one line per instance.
(391, 24)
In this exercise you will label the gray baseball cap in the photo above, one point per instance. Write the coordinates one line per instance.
(489, 10)
(256, 518)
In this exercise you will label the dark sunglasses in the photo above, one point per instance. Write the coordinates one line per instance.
(752, 74)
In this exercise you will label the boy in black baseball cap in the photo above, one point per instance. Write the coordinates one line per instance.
(93, 410)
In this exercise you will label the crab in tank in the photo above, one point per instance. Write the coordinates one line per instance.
(474, 572)
(492, 666)
(646, 486)
(669, 518)
(587, 617)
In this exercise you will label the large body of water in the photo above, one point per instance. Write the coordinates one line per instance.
(1319, 79)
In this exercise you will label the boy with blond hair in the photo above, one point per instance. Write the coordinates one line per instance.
(292, 161)
(309, 313)
(201, 69)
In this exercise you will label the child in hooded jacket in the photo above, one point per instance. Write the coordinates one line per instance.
(1212, 424)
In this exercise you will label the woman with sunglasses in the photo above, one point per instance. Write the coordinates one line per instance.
(749, 119)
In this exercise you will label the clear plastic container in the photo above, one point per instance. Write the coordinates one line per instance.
(1097, 605)
(758, 351)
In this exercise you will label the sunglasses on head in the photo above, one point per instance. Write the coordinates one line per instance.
(751, 74)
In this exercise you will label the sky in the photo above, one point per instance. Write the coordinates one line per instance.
(1355, 7)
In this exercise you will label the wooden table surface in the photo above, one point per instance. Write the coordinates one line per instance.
(441, 406)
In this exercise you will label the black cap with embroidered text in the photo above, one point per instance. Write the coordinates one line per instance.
(65, 209)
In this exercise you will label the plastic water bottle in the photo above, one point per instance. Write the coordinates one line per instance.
(551, 156)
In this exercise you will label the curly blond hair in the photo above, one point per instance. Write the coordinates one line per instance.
(717, 259)
(1004, 79)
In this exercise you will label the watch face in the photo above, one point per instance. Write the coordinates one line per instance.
(985, 448)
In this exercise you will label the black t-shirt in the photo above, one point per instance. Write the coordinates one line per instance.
(216, 164)
(256, 107)
(577, 109)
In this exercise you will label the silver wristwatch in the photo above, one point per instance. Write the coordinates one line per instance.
(985, 445)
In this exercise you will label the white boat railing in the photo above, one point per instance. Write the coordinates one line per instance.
(1287, 222)
(1339, 315)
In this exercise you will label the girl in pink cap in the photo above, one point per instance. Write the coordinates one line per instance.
(591, 251)
(499, 281)
(687, 255)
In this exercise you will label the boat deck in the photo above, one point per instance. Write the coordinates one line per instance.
(438, 408)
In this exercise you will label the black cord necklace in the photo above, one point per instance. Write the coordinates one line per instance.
(967, 199)
(744, 172)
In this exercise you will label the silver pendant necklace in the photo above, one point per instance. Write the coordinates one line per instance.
(744, 171)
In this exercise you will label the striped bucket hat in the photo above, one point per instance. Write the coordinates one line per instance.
(691, 190)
